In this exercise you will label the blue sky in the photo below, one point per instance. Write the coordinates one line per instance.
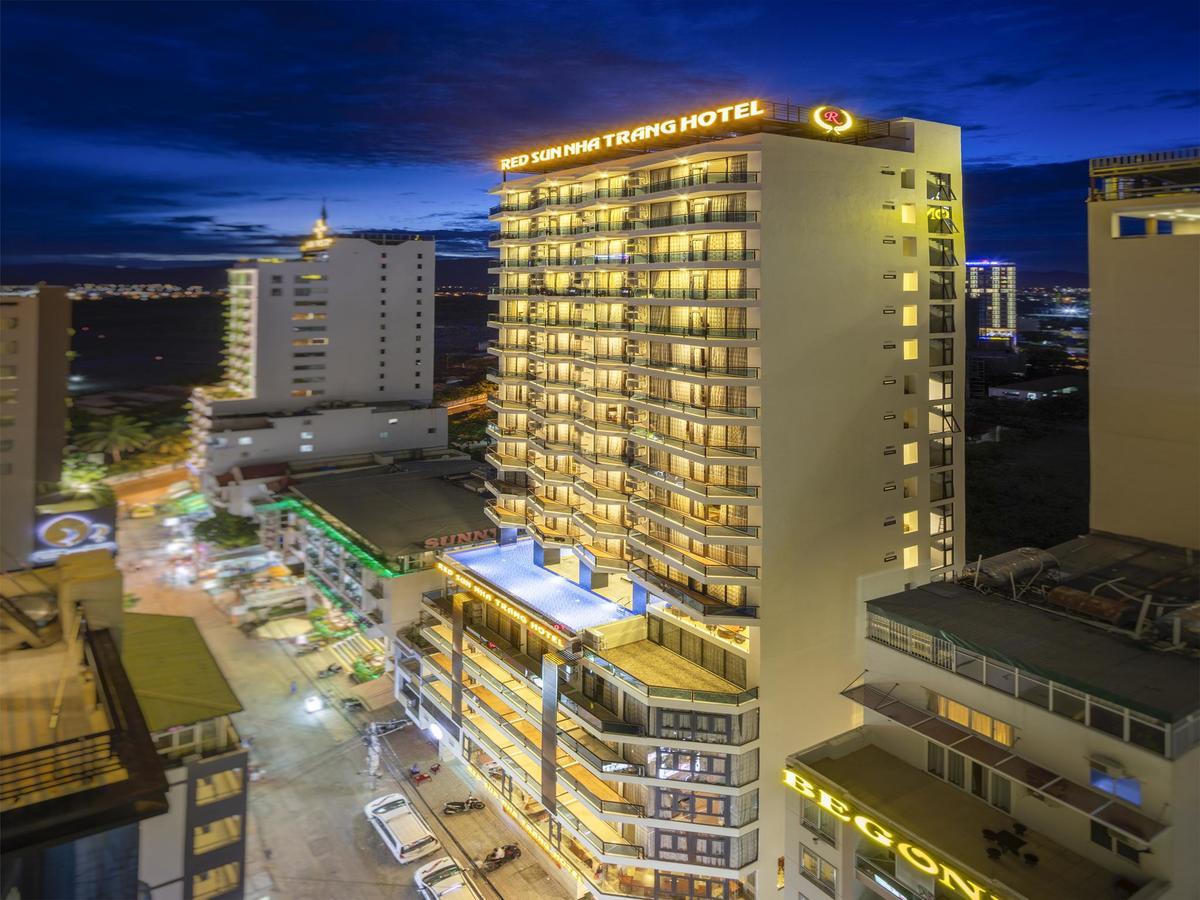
(182, 133)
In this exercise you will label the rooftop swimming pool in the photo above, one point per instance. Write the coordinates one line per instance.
(511, 568)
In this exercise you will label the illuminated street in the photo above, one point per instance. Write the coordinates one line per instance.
(307, 835)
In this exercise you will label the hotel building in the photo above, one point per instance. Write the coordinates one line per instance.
(992, 290)
(35, 329)
(1027, 743)
(727, 413)
(328, 355)
(1144, 267)
(1030, 732)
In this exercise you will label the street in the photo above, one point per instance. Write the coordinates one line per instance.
(307, 836)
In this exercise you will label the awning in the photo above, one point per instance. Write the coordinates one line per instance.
(1128, 822)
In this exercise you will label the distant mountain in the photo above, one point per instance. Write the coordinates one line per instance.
(467, 272)
(1052, 278)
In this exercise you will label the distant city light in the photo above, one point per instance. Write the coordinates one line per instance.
(435, 731)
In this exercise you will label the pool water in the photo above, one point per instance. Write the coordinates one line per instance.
(511, 568)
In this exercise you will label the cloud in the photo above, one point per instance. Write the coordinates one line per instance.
(1188, 98)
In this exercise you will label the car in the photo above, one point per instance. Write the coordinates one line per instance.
(401, 827)
(445, 878)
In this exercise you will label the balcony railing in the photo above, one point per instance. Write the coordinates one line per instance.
(646, 362)
(715, 451)
(708, 412)
(690, 561)
(710, 531)
(636, 293)
(701, 604)
(649, 690)
(716, 491)
(632, 224)
(634, 259)
(565, 198)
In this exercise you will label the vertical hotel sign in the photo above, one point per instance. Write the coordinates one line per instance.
(640, 134)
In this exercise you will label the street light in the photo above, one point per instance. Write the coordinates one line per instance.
(435, 731)
(313, 703)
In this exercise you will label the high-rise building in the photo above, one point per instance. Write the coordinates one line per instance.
(992, 290)
(328, 355)
(35, 339)
(1144, 268)
(1032, 731)
(729, 394)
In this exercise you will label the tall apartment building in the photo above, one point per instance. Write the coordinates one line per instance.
(35, 338)
(992, 290)
(328, 354)
(1144, 269)
(727, 413)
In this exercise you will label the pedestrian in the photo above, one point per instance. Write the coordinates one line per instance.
(293, 691)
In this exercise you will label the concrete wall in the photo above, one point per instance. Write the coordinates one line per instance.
(1145, 377)
(832, 234)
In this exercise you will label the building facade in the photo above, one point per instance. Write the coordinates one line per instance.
(35, 340)
(1016, 746)
(1144, 266)
(708, 488)
(992, 289)
(328, 354)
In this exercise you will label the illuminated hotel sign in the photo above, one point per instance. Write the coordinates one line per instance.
(463, 537)
(747, 109)
(320, 239)
(916, 856)
(549, 635)
(832, 119)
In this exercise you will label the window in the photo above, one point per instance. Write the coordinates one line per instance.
(306, 448)
(393, 421)
(383, 434)
(306, 435)
(911, 521)
(911, 350)
(910, 453)
(245, 440)
(910, 281)
(819, 872)
(818, 820)
(912, 557)
(909, 315)
(431, 430)
(908, 178)
(1110, 841)
(1110, 777)
(909, 246)
(979, 722)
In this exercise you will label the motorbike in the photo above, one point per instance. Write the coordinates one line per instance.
(454, 807)
(305, 649)
(352, 704)
(499, 856)
(329, 671)
(419, 777)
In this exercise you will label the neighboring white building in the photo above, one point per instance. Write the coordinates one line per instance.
(1144, 271)
(729, 395)
(1027, 743)
(35, 327)
(329, 354)
(992, 288)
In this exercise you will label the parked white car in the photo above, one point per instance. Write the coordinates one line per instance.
(445, 878)
(401, 827)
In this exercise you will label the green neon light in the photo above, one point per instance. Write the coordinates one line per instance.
(375, 563)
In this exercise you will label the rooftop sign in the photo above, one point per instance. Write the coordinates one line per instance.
(747, 109)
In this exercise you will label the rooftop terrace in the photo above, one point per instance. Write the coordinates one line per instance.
(951, 821)
(510, 568)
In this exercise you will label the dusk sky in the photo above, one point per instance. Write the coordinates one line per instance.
(188, 133)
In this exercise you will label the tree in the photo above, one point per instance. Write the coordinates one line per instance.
(170, 440)
(81, 478)
(114, 435)
(227, 530)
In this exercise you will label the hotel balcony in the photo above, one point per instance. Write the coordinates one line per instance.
(598, 527)
(552, 197)
(505, 463)
(637, 295)
(680, 222)
(703, 568)
(667, 259)
(737, 415)
(742, 335)
(504, 515)
(700, 529)
(737, 494)
(931, 835)
(706, 454)
(694, 373)
(709, 610)
(507, 487)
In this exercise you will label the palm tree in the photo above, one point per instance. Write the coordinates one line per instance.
(114, 435)
(171, 440)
